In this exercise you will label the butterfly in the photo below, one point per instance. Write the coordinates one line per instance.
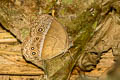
(47, 39)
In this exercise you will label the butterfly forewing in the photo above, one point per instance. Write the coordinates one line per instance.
(56, 41)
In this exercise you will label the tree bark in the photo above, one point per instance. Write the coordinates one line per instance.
(16, 16)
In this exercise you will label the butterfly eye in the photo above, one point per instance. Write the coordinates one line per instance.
(32, 48)
(33, 53)
(40, 29)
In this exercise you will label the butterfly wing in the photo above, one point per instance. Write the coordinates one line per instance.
(33, 44)
(47, 39)
(56, 41)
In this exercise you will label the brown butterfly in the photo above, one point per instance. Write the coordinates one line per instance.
(47, 40)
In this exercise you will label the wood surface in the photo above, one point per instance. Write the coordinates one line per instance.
(11, 60)
(14, 67)
(17, 16)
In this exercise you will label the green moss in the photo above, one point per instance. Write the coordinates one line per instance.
(24, 32)
(82, 28)
(67, 1)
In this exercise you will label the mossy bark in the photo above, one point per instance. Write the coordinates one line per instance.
(16, 15)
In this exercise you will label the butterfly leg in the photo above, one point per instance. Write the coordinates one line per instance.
(70, 54)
